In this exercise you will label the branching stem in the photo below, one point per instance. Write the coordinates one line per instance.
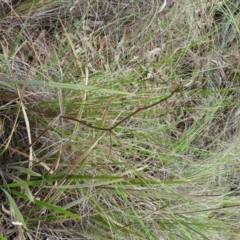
(109, 129)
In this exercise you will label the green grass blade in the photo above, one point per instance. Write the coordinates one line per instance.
(26, 170)
(15, 209)
(73, 86)
(54, 208)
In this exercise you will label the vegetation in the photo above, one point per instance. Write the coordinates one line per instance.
(119, 119)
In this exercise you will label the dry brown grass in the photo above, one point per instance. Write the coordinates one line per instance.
(165, 173)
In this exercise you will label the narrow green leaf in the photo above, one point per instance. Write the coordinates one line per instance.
(15, 209)
(28, 183)
(57, 209)
(84, 185)
(27, 171)
(74, 86)
(49, 206)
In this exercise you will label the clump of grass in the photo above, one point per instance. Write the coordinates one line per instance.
(81, 154)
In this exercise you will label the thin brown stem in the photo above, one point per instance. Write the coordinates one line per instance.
(141, 108)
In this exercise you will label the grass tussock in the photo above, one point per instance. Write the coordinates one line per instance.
(119, 119)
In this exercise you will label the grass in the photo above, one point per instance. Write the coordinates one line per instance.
(117, 122)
